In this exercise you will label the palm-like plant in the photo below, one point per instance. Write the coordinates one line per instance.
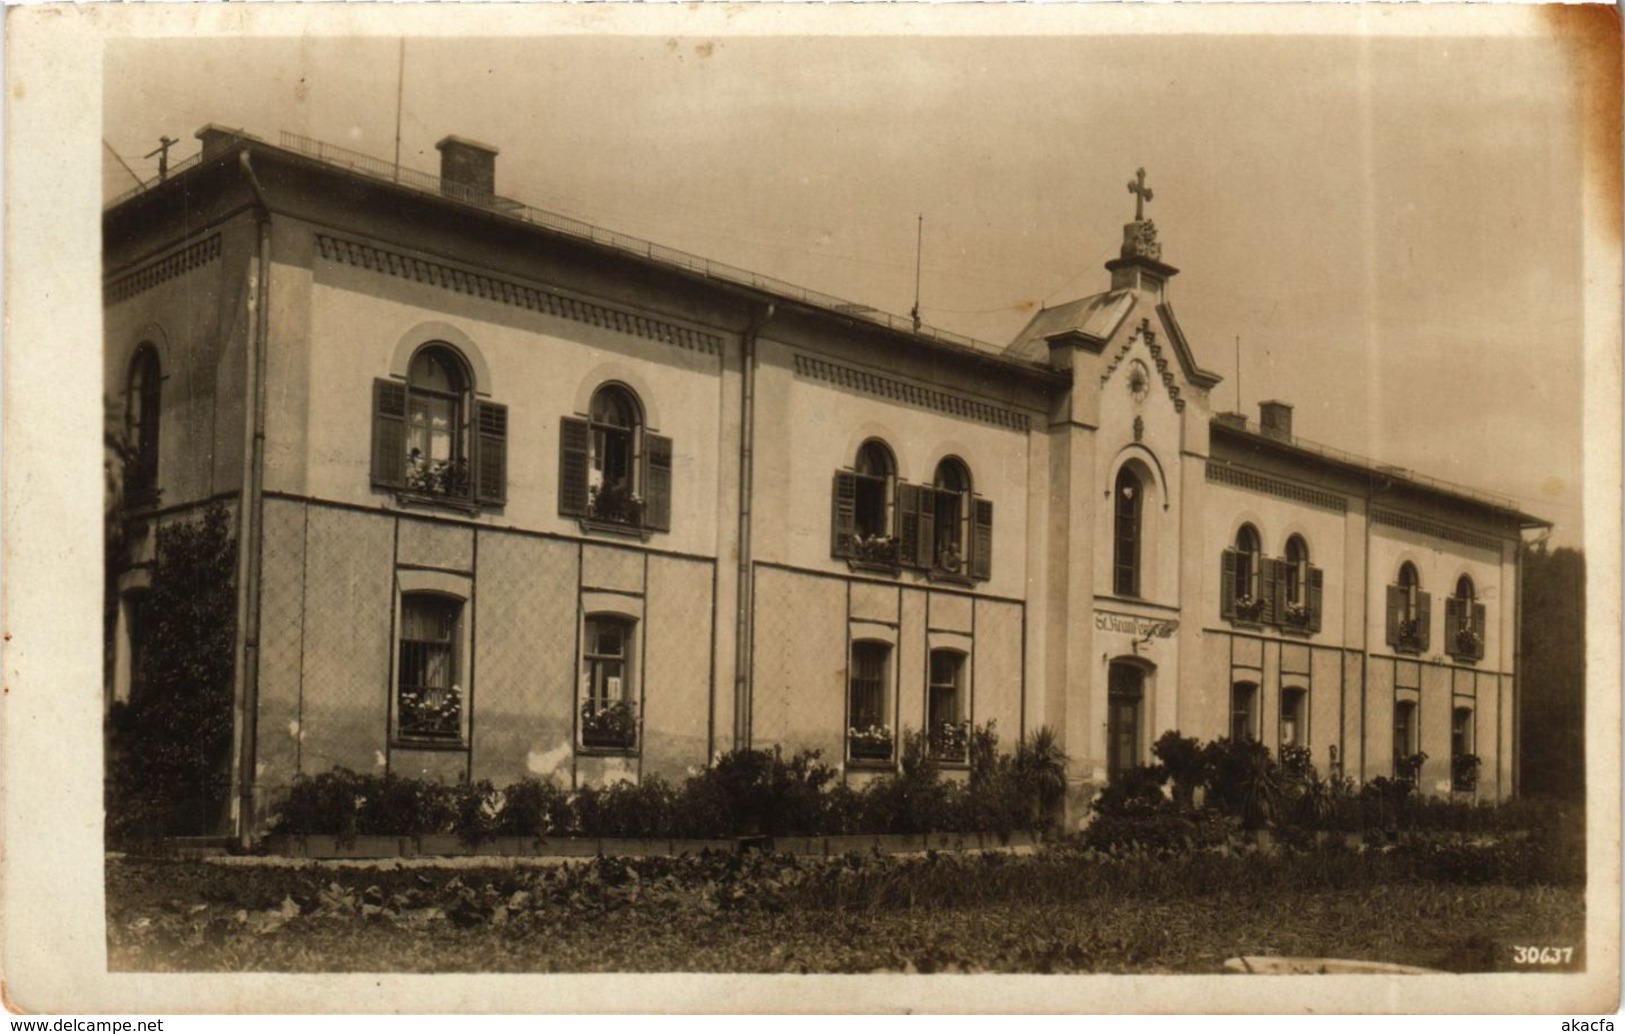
(1041, 767)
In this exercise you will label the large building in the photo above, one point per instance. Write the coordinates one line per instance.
(519, 496)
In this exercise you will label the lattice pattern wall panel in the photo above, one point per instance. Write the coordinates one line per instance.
(605, 567)
(1379, 720)
(282, 623)
(871, 602)
(525, 658)
(998, 668)
(676, 666)
(951, 612)
(349, 613)
(912, 651)
(431, 544)
(1354, 736)
(799, 671)
(1435, 738)
(1325, 705)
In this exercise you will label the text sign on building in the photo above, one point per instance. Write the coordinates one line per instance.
(1134, 625)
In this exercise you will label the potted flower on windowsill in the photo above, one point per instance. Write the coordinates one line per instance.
(1410, 633)
(1408, 767)
(615, 503)
(1469, 643)
(432, 711)
(1298, 615)
(950, 741)
(608, 723)
(871, 743)
(447, 479)
(874, 549)
(1464, 772)
(1249, 608)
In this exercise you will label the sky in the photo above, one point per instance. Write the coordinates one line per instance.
(1391, 226)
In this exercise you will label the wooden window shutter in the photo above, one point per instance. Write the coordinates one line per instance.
(981, 539)
(490, 453)
(573, 439)
(1424, 621)
(908, 522)
(1482, 628)
(1269, 581)
(925, 552)
(1227, 584)
(388, 433)
(1452, 623)
(1316, 594)
(843, 521)
(1396, 612)
(657, 482)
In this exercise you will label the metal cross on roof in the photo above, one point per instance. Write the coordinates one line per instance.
(1141, 192)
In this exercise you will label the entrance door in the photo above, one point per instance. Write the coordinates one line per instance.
(1125, 690)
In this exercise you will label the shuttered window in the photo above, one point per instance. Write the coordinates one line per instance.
(1465, 628)
(432, 440)
(613, 471)
(1409, 612)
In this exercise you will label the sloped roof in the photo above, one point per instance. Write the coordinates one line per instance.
(1097, 316)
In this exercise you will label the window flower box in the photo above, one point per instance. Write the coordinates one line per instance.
(873, 743)
(874, 549)
(431, 712)
(1249, 608)
(950, 741)
(1410, 634)
(1408, 767)
(1464, 772)
(436, 479)
(608, 724)
(1298, 615)
(1469, 643)
(615, 504)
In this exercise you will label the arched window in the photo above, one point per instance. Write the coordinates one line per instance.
(1244, 711)
(1241, 583)
(947, 727)
(613, 491)
(868, 716)
(950, 505)
(613, 471)
(1406, 762)
(608, 712)
(1125, 694)
(1465, 622)
(1297, 570)
(1127, 504)
(429, 691)
(1464, 762)
(862, 526)
(432, 439)
(1408, 612)
(142, 406)
(1294, 718)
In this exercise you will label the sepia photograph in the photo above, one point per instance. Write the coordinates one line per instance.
(903, 493)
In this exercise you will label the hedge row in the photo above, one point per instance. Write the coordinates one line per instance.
(746, 792)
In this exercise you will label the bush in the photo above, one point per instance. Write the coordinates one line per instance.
(1163, 832)
(532, 808)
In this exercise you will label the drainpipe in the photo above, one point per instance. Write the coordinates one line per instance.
(249, 522)
(747, 442)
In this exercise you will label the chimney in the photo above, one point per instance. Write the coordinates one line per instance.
(468, 169)
(218, 139)
(1275, 419)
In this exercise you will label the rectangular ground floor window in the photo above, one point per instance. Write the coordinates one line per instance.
(869, 735)
(608, 711)
(429, 695)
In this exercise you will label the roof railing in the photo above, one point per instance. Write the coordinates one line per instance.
(412, 179)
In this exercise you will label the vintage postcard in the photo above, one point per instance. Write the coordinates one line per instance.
(637, 508)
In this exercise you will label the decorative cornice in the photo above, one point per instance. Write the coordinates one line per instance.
(1228, 475)
(521, 296)
(1423, 526)
(1161, 360)
(896, 390)
(156, 272)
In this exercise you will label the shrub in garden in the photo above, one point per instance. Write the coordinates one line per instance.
(1160, 832)
(1135, 791)
(1185, 761)
(170, 747)
(532, 808)
(1245, 781)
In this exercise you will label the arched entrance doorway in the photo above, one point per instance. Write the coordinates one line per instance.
(1125, 716)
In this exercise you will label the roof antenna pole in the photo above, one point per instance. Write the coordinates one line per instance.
(1238, 375)
(400, 90)
(919, 237)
